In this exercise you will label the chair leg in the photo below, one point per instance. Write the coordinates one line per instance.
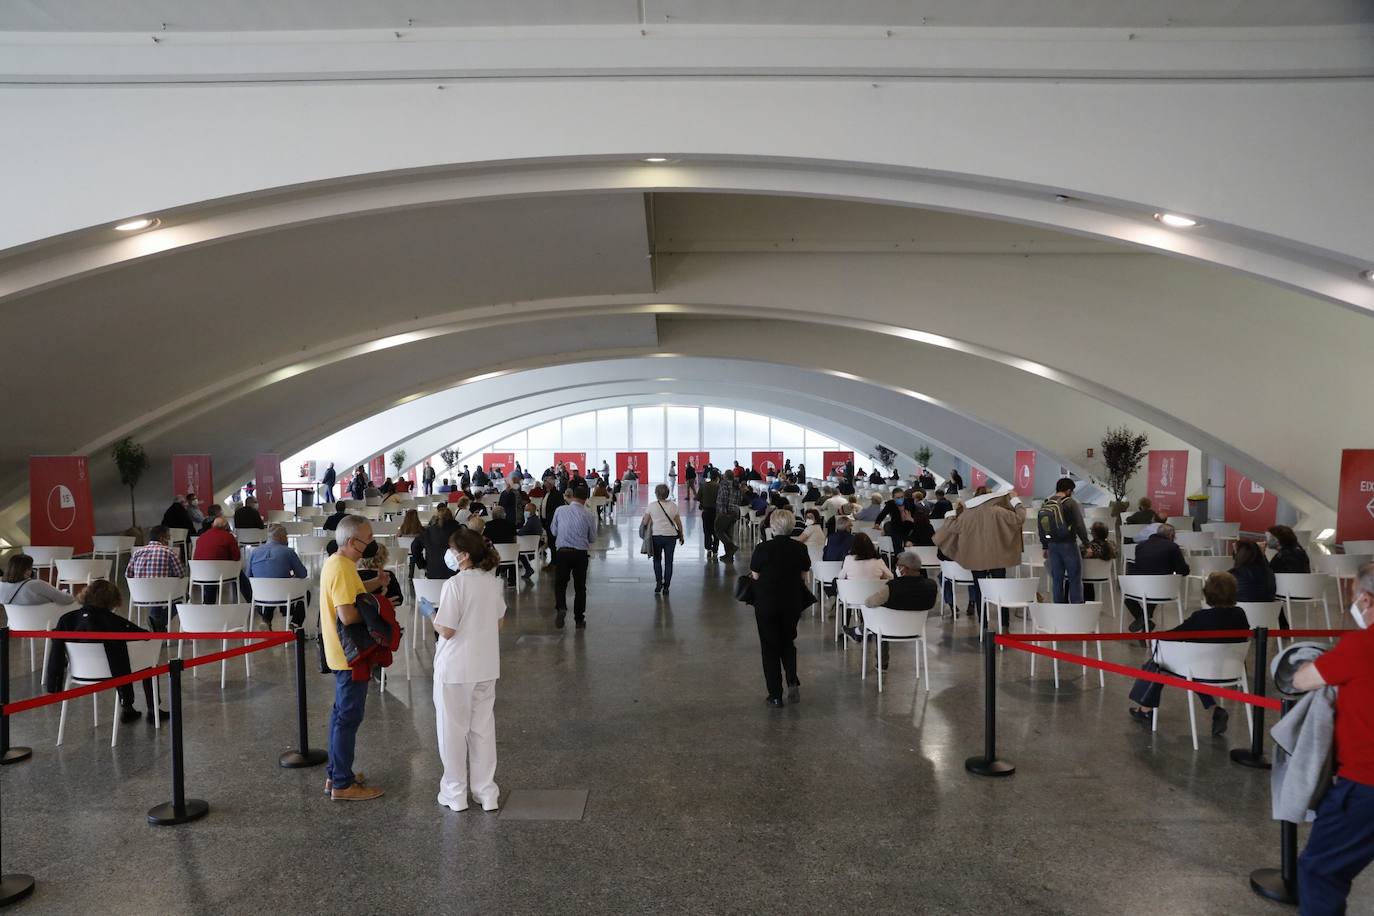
(1101, 678)
(1154, 720)
(1326, 611)
(863, 651)
(224, 665)
(1249, 710)
(879, 662)
(1054, 663)
(61, 723)
(1192, 716)
(114, 719)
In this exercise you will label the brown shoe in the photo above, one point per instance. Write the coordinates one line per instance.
(358, 779)
(356, 792)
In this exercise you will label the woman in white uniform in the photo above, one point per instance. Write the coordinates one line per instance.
(467, 662)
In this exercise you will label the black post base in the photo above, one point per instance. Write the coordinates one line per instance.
(15, 754)
(1269, 883)
(1248, 758)
(14, 888)
(294, 760)
(165, 814)
(982, 766)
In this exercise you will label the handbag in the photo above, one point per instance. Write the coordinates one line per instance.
(676, 526)
(744, 589)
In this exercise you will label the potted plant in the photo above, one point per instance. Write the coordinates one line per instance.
(398, 460)
(1122, 454)
(449, 457)
(922, 456)
(131, 461)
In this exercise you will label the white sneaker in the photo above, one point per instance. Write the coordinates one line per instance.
(452, 805)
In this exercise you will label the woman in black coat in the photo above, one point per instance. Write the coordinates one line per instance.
(1254, 578)
(779, 566)
(1289, 556)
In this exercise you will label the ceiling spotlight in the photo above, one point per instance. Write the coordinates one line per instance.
(1176, 221)
(655, 158)
(137, 225)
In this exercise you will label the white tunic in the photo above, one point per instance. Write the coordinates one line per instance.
(472, 605)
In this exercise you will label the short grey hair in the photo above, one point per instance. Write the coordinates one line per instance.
(909, 559)
(875, 499)
(1167, 530)
(782, 521)
(277, 532)
(844, 523)
(348, 528)
(661, 491)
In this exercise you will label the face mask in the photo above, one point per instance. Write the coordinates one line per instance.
(899, 500)
(1359, 617)
(370, 550)
(451, 560)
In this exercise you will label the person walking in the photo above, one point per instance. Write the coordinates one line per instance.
(427, 478)
(710, 489)
(553, 499)
(689, 475)
(1060, 526)
(985, 539)
(467, 663)
(727, 515)
(327, 482)
(778, 567)
(665, 531)
(574, 528)
(340, 587)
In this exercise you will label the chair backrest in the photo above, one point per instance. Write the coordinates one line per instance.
(1202, 566)
(1344, 565)
(508, 553)
(1365, 548)
(953, 572)
(213, 618)
(305, 512)
(144, 653)
(1097, 570)
(897, 624)
(87, 661)
(34, 616)
(251, 535)
(1202, 660)
(1009, 592)
(297, 529)
(429, 589)
(1261, 613)
(528, 543)
(82, 570)
(280, 515)
(1151, 587)
(385, 528)
(371, 513)
(1032, 556)
(930, 556)
(1195, 540)
(215, 570)
(353, 505)
(110, 543)
(1128, 552)
(1066, 618)
(177, 535)
(827, 570)
(311, 544)
(1222, 529)
(1301, 585)
(1181, 522)
(45, 556)
(1130, 531)
(278, 590)
(856, 592)
(156, 590)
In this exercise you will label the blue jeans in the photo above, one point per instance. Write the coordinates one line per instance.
(1065, 563)
(329, 494)
(664, 545)
(350, 699)
(1339, 848)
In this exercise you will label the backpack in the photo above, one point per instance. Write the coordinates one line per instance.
(1050, 522)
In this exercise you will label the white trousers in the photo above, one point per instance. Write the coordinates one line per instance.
(465, 718)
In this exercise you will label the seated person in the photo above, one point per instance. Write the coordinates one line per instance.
(340, 510)
(876, 477)
(812, 495)
(812, 534)
(759, 503)
(156, 560)
(791, 486)
(1099, 547)
(445, 486)
(275, 559)
(841, 543)
(247, 515)
(21, 588)
(942, 506)
(911, 528)
(97, 615)
(1144, 513)
(178, 515)
(911, 590)
(532, 526)
(1219, 613)
(219, 543)
(870, 512)
(1289, 557)
(373, 571)
(864, 562)
(1158, 555)
(213, 512)
(1254, 577)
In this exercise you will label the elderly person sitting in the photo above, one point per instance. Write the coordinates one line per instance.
(839, 544)
(871, 511)
(912, 590)
(274, 559)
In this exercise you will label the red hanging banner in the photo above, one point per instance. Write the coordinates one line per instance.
(193, 474)
(977, 477)
(1355, 502)
(699, 460)
(1166, 480)
(832, 463)
(60, 509)
(1025, 474)
(576, 461)
(503, 460)
(267, 470)
(764, 462)
(376, 469)
(1249, 503)
(624, 461)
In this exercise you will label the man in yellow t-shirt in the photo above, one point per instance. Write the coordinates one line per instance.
(340, 587)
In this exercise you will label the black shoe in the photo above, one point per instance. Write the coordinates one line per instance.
(853, 633)
(776, 702)
(658, 588)
(580, 623)
(558, 620)
(129, 714)
(794, 693)
(729, 556)
(1135, 627)
(1220, 718)
(1140, 714)
(665, 589)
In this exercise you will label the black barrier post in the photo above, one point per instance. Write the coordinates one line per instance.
(305, 757)
(7, 754)
(988, 764)
(14, 887)
(1280, 884)
(180, 809)
(1253, 756)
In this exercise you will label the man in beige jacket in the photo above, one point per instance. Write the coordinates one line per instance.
(984, 537)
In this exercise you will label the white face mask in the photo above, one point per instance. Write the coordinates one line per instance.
(451, 560)
(1358, 615)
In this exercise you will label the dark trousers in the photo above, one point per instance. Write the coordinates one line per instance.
(571, 564)
(725, 530)
(268, 614)
(1133, 607)
(664, 546)
(126, 694)
(708, 528)
(777, 635)
(350, 701)
(1340, 846)
(525, 565)
(1147, 693)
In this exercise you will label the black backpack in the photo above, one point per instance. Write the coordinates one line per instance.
(1050, 521)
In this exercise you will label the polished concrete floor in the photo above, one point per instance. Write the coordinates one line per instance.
(701, 799)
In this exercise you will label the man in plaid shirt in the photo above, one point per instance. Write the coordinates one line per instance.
(727, 514)
(156, 560)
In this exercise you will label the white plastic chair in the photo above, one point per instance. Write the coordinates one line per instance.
(1196, 542)
(310, 548)
(509, 554)
(1340, 566)
(1200, 568)
(221, 573)
(81, 572)
(111, 547)
(276, 593)
(250, 537)
(888, 625)
(824, 572)
(1263, 614)
(1033, 558)
(280, 515)
(36, 617)
(1359, 548)
(305, 512)
(930, 558)
(1225, 533)
(1181, 523)
(850, 595)
(430, 590)
(215, 618)
(1068, 618)
(1000, 594)
(1149, 590)
(528, 545)
(87, 664)
(1127, 556)
(155, 592)
(958, 577)
(1098, 573)
(1302, 588)
(1220, 664)
(45, 558)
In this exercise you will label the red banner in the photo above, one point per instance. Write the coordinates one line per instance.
(503, 460)
(267, 470)
(699, 460)
(977, 477)
(576, 461)
(637, 460)
(376, 469)
(1025, 474)
(1249, 503)
(60, 509)
(834, 462)
(1355, 503)
(1167, 479)
(767, 461)
(192, 474)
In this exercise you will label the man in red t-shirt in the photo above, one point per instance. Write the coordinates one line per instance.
(1342, 840)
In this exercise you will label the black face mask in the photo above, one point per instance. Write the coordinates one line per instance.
(370, 550)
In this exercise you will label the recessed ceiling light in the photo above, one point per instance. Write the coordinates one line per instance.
(1176, 221)
(136, 225)
(655, 158)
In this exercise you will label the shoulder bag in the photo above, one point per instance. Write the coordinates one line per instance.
(676, 526)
